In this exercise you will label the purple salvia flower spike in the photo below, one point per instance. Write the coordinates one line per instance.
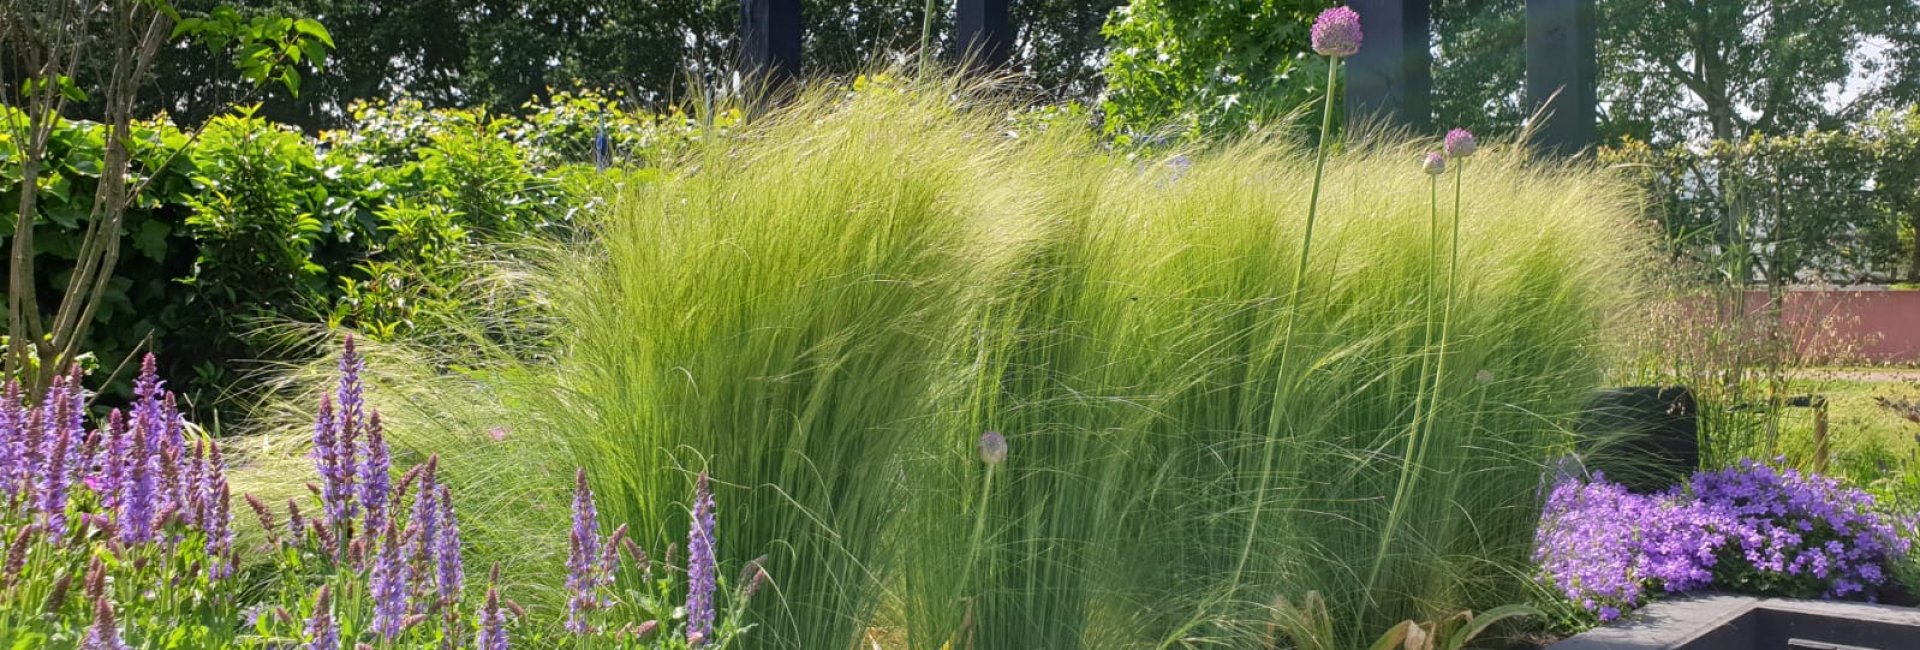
(388, 584)
(104, 633)
(373, 477)
(322, 632)
(493, 621)
(452, 576)
(13, 442)
(451, 573)
(54, 473)
(583, 557)
(702, 572)
(1336, 32)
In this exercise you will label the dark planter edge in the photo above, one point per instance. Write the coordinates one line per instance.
(1728, 621)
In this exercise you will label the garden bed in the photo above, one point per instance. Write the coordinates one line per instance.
(1742, 623)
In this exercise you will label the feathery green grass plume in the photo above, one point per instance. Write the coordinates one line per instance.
(826, 310)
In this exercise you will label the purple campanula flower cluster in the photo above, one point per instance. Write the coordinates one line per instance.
(1749, 528)
(1803, 535)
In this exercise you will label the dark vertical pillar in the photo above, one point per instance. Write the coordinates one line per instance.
(770, 39)
(984, 33)
(1391, 79)
(1561, 59)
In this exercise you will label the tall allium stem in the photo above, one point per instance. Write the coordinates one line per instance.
(1434, 165)
(1272, 443)
(926, 38)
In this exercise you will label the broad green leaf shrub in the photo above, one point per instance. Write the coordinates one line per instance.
(1179, 69)
(374, 228)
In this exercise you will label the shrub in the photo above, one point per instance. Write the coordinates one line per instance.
(373, 229)
(1748, 529)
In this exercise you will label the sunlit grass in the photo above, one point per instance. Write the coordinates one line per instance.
(826, 311)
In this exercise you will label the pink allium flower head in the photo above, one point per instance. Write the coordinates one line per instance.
(993, 448)
(1460, 144)
(1433, 164)
(1336, 32)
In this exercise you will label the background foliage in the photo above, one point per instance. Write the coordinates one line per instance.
(374, 228)
(1821, 206)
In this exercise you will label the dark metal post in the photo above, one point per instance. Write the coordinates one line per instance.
(1391, 78)
(1561, 59)
(984, 33)
(770, 39)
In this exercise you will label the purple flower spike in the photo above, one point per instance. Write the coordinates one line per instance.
(13, 442)
(1460, 144)
(583, 558)
(493, 621)
(57, 439)
(1433, 164)
(1336, 33)
(702, 574)
(335, 465)
(322, 632)
(373, 477)
(137, 504)
(446, 551)
(388, 585)
(104, 634)
(993, 448)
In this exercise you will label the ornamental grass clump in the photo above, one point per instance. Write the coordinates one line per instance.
(825, 312)
(1747, 529)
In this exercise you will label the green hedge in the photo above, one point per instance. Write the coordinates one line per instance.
(1832, 206)
(249, 223)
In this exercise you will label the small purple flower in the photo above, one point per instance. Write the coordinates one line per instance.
(992, 448)
(322, 632)
(219, 532)
(1433, 164)
(1460, 144)
(1336, 32)
(388, 584)
(583, 565)
(702, 572)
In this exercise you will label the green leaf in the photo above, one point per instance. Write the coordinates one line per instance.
(1485, 620)
(313, 28)
(291, 79)
(151, 239)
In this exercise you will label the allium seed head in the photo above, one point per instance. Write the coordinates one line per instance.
(1433, 164)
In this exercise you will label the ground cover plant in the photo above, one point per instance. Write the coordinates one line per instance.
(1747, 529)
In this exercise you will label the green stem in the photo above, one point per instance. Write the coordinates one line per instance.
(926, 38)
(1421, 415)
(979, 529)
(1265, 468)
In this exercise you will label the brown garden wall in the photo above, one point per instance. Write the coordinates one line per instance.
(1879, 325)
